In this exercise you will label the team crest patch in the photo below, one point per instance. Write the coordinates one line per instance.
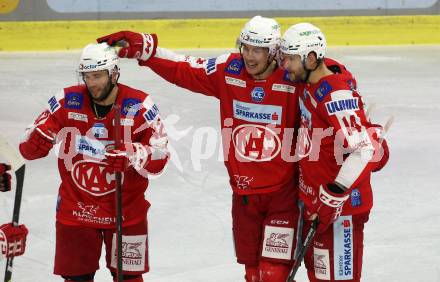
(234, 67)
(130, 106)
(323, 90)
(73, 100)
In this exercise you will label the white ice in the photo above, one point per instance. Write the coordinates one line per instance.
(189, 221)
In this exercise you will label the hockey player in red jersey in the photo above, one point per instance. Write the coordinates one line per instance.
(12, 238)
(339, 148)
(80, 120)
(259, 110)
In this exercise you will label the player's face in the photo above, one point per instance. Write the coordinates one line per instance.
(293, 65)
(98, 83)
(255, 58)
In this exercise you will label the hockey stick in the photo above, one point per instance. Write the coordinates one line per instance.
(304, 247)
(118, 195)
(18, 165)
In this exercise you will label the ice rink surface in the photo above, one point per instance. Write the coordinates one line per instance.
(190, 232)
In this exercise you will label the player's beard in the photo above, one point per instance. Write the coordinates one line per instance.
(104, 93)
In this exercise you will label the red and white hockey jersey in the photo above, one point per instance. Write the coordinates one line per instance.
(258, 117)
(336, 141)
(86, 194)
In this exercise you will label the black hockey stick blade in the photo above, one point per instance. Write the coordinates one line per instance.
(18, 165)
(304, 247)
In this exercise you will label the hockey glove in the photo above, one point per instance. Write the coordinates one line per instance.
(38, 144)
(328, 206)
(5, 178)
(136, 45)
(120, 159)
(12, 240)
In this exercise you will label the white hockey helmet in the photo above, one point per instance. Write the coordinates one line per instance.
(261, 32)
(96, 57)
(303, 38)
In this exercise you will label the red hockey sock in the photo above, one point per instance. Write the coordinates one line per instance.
(274, 272)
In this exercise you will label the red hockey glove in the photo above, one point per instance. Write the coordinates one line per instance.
(5, 178)
(12, 240)
(38, 144)
(140, 46)
(328, 206)
(120, 159)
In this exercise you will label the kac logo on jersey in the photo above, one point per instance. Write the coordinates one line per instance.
(211, 66)
(256, 143)
(95, 178)
(99, 130)
(257, 94)
(130, 106)
(73, 100)
(342, 105)
(234, 66)
(323, 90)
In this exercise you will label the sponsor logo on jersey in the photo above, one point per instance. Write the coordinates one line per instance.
(343, 244)
(73, 100)
(278, 242)
(130, 106)
(88, 213)
(127, 121)
(77, 116)
(342, 105)
(234, 67)
(323, 90)
(53, 104)
(95, 178)
(356, 200)
(283, 88)
(99, 130)
(210, 66)
(152, 113)
(243, 182)
(257, 113)
(133, 252)
(256, 143)
(90, 147)
(257, 94)
(321, 262)
(235, 81)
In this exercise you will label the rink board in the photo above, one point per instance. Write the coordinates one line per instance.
(217, 33)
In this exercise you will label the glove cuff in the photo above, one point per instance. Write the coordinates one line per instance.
(149, 46)
(330, 198)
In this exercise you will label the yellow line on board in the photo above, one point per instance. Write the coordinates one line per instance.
(217, 33)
